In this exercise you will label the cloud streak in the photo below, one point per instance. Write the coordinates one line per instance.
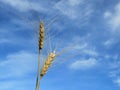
(24, 5)
(113, 18)
(73, 9)
(19, 64)
(83, 64)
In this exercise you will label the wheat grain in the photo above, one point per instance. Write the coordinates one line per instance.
(41, 35)
(47, 64)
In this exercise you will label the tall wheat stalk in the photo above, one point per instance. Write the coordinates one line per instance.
(41, 43)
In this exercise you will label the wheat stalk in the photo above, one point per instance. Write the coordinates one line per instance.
(41, 43)
(47, 64)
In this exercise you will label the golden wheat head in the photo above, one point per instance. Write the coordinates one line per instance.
(47, 64)
(41, 35)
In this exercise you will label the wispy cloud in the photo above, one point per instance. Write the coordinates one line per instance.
(18, 71)
(90, 52)
(117, 81)
(110, 42)
(75, 2)
(73, 9)
(84, 47)
(113, 17)
(114, 66)
(18, 65)
(83, 64)
(24, 5)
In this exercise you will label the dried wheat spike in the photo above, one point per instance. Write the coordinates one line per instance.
(41, 35)
(47, 64)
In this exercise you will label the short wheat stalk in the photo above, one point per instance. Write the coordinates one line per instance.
(47, 64)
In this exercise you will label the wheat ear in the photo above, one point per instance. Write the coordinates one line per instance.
(41, 35)
(47, 64)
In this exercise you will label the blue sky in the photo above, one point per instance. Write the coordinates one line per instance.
(90, 28)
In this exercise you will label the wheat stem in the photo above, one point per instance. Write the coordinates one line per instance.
(38, 72)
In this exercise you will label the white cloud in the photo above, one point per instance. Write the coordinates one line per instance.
(114, 67)
(73, 9)
(80, 46)
(18, 65)
(90, 52)
(113, 18)
(74, 2)
(83, 47)
(117, 81)
(83, 64)
(110, 42)
(113, 57)
(24, 5)
(107, 14)
(18, 71)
